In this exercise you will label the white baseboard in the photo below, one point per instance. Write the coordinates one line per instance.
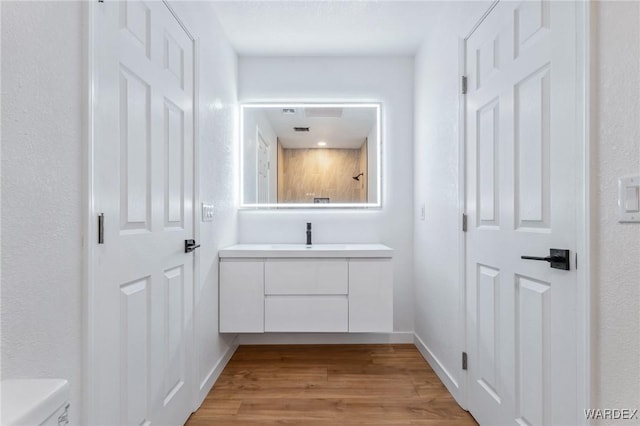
(214, 373)
(324, 338)
(449, 381)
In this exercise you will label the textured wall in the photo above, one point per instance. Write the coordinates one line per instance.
(388, 80)
(321, 173)
(616, 246)
(42, 191)
(439, 320)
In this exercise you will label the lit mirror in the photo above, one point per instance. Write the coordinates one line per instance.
(310, 155)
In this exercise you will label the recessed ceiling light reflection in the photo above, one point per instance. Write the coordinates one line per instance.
(322, 144)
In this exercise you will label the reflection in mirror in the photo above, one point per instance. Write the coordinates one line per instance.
(310, 155)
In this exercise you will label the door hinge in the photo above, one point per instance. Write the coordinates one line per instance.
(463, 84)
(101, 228)
(464, 222)
(464, 360)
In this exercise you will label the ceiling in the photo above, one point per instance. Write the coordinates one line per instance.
(326, 28)
(347, 129)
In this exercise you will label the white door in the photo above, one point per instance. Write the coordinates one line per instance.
(263, 170)
(521, 143)
(141, 335)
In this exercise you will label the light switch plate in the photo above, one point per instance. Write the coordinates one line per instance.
(207, 212)
(629, 199)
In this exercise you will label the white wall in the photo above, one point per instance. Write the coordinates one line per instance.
(438, 317)
(388, 80)
(616, 247)
(42, 193)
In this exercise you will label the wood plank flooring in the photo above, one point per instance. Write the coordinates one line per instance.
(329, 385)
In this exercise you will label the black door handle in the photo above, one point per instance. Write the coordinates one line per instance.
(558, 259)
(190, 245)
(546, 259)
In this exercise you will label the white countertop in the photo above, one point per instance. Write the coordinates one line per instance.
(304, 251)
(31, 401)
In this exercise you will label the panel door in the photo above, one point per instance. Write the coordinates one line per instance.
(141, 338)
(520, 144)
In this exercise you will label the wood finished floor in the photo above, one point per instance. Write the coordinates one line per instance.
(329, 385)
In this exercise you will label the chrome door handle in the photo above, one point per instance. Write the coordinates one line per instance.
(558, 259)
(190, 245)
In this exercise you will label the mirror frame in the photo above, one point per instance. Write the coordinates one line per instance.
(318, 206)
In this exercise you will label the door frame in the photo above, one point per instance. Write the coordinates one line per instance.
(90, 228)
(260, 135)
(583, 203)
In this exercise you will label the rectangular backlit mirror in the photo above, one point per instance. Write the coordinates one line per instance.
(310, 155)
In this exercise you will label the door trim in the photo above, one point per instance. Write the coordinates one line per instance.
(197, 207)
(89, 226)
(462, 199)
(260, 135)
(584, 222)
(462, 208)
(87, 412)
(197, 218)
(583, 203)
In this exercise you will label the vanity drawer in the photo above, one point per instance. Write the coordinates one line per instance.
(300, 277)
(306, 313)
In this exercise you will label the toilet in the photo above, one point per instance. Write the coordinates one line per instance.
(35, 402)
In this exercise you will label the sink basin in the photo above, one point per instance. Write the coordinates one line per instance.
(311, 247)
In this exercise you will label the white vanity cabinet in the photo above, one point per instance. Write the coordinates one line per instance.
(370, 295)
(241, 296)
(289, 288)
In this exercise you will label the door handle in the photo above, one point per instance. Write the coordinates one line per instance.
(558, 259)
(190, 245)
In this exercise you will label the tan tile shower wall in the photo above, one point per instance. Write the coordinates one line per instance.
(320, 173)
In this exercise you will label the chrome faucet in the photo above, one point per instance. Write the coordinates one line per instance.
(308, 233)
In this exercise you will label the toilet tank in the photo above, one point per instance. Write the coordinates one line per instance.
(35, 402)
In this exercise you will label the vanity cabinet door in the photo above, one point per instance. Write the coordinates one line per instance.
(370, 295)
(241, 296)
